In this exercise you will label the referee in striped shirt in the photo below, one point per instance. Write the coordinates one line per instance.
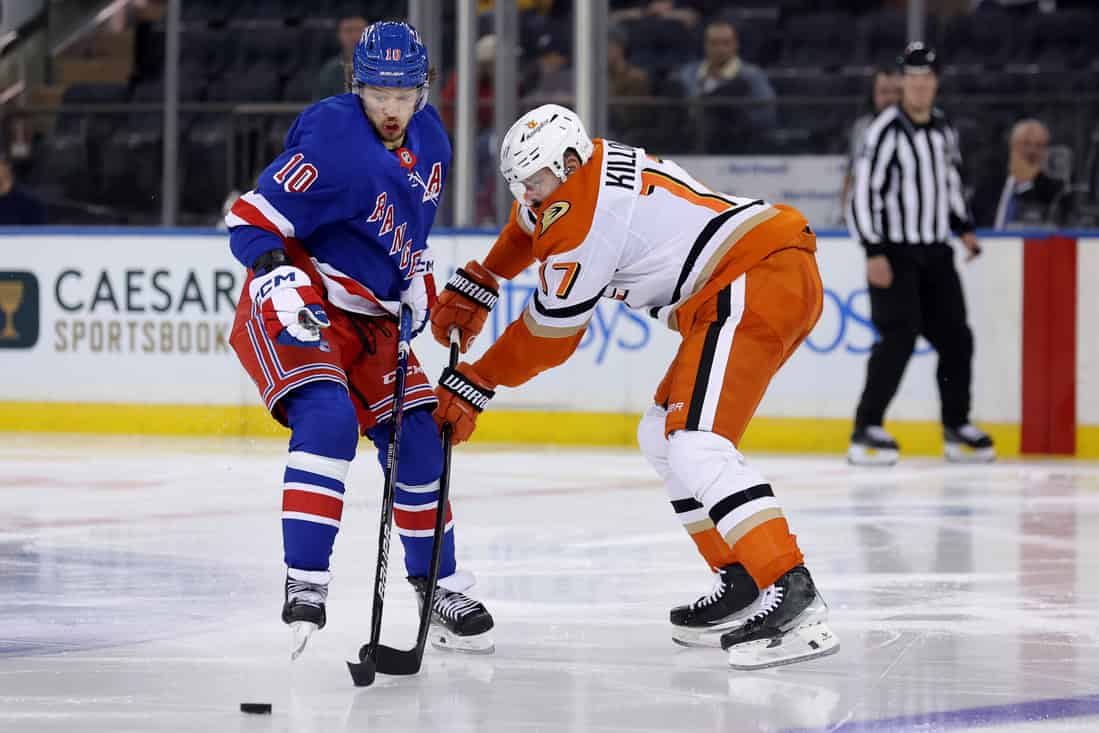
(907, 202)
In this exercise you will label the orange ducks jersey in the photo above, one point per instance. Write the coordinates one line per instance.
(630, 227)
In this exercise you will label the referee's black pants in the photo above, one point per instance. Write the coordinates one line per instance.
(925, 299)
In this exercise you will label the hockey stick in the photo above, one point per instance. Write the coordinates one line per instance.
(401, 661)
(364, 671)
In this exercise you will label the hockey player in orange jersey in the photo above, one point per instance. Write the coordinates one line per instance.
(736, 277)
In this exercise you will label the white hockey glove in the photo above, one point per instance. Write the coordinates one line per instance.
(291, 309)
(420, 293)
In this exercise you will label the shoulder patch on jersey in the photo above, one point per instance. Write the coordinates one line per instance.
(552, 213)
(582, 192)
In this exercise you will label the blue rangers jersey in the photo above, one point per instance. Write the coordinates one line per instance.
(360, 211)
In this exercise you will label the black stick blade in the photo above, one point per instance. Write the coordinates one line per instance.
(399, 661)
(364, 672)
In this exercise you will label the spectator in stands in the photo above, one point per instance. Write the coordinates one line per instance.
(485, 52)
(885, 91)
(1019, 7)
(18, 207)
(525, 6)
(663, 9)
(553, 81)
(625, 80)
(19, 144)
(1027, 196)
(332, 79)
(722, 73)
(486, 142)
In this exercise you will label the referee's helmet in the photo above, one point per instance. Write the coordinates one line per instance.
(918, 59)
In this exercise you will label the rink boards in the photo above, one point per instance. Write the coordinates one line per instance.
(127, 331)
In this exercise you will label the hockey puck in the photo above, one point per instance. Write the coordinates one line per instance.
(256, 708)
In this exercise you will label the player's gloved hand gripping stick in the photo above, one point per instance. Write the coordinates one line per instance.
(468, 298)
(375, 657)
(463, 394)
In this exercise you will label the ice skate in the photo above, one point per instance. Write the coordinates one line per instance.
(791, 626)
(458, 622)
(872, 446)
(968, 444)
(732, 601)
(303, 609)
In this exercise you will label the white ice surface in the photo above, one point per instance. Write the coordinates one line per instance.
(141, 582)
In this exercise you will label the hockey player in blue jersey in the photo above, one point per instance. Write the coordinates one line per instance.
(335, 236)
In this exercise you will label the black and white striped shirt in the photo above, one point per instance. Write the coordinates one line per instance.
(908, 186)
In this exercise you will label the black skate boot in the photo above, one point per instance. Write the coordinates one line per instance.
(872, 446)
(789, 627)
(303, 607)
(968, 444)
(458, 622)
(732, 601)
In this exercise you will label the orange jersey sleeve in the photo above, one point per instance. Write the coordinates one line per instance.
(519, 355)
(513, 251)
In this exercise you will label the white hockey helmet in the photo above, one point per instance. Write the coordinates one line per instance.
(539, 139)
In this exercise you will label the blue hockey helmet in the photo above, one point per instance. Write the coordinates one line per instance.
(390, 54)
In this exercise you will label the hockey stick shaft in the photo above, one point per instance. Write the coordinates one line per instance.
(363, 672)
(405, 662)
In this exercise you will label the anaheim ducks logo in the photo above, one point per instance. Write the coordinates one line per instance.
(554, 212)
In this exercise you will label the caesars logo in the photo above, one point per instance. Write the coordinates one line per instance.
(144, 311)
(18, 310)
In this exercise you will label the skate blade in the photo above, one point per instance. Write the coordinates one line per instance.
(698, 642)
(708, 637)
(449, 642)
(860, 455)
(300, 632)
(805, 642)
(961, 454)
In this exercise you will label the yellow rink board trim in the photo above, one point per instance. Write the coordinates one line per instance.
(766, 434)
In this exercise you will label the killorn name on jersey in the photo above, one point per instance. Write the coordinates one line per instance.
(621, 166)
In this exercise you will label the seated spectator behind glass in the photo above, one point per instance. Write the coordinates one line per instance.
(1018, 7)
(485, 52)
(534, 6)
(485, 142)
(625, 80)
(1027, 196)
(885, 90)
(332, 78)
(20, 142)
(553, 75)
(18, 207)
(665, 9)
(723, 73)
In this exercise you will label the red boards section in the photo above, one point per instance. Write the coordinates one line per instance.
(1049, 346)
